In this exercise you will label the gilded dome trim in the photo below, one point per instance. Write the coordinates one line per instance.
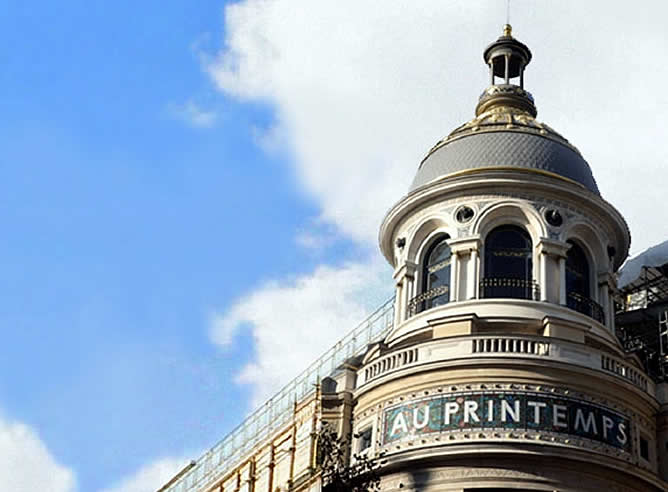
(518, 168)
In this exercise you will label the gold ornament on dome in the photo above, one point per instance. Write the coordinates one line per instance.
(504, 118)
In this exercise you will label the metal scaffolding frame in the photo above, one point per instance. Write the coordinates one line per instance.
(642, 319)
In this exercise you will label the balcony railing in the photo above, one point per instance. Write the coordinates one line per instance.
(584, 305)
(260, 424)
(512, 288)
(425, 300)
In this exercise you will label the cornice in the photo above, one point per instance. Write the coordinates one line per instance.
(503, 180)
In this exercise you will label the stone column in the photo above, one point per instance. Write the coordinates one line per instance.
(398, 309)
(464, 268)
(404, 278)
(606, 285)
(473, 275)
(604, 299)
(543, 277)
(562, 281)
(552, 274)
(454, 277)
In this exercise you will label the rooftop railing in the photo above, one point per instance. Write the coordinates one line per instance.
(278, 410)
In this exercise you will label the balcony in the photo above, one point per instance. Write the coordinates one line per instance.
(504, 288)
(586, 306)
(509, 288)
(433, 297)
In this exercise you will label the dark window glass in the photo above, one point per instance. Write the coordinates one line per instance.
(508, 264)
(365, 439)
(644, 449)
(578, 290)
(577, 271)
(436, 275)
(328, 385)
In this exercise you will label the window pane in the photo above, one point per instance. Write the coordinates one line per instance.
(508, 253)
(436, 275)
(577, 271)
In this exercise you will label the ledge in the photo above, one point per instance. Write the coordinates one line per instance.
(541, 317)
(495, 348)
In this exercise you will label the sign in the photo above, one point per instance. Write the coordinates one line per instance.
(509, 411)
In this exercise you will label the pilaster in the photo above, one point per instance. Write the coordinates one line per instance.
(552, 270)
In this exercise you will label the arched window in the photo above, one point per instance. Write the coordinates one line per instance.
(435, 277)
(508, 264)
(436, 274)
(577, 271)
(578, 290)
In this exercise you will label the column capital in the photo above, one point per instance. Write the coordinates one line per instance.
(406, 269)
(606, 278)
(552, 247)
(464, 245)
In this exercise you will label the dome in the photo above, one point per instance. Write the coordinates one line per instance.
(505, 138)
(505, 133)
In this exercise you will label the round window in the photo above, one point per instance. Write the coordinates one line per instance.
(464, 214)
(553, 217)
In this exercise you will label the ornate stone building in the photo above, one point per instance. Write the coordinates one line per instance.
(497, 366)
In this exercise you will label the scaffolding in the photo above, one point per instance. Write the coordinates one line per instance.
(642, 319)
(278, 410)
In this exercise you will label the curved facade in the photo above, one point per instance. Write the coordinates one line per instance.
(518, 382)
(500, 368)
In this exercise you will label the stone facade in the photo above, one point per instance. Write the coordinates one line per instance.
(529, 389)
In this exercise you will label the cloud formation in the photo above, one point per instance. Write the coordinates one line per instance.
(361, 93)
(27, 464)
(295, 320)
(151, 476)
(192, 114)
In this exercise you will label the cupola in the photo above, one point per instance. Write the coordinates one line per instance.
(505, 133)
(504, 213)
(507, 58)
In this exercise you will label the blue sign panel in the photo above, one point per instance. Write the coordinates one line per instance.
(507, 410)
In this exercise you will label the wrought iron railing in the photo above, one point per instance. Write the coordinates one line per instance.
(425, 300)
(584, 305)
(279, 409)
(508, 287)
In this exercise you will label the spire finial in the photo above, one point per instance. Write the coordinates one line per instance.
(508, 31)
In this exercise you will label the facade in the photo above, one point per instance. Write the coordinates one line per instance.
(497, 366)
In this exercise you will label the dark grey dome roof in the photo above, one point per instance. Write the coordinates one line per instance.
(473, 147)
(505, 132)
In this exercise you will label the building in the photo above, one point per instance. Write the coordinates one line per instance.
(498, 365)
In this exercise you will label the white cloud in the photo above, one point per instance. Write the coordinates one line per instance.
(151, 476)
(361, 92)
(192, 114)
(313, 240)
(27, 465)
(316, 236)
(294, 321)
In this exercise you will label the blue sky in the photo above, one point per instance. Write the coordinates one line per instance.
(120, 223)
(185, 187)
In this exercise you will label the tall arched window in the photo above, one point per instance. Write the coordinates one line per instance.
(508, 264)
(435, 277)
(577, 271)
(436, 274)
(578, 289)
